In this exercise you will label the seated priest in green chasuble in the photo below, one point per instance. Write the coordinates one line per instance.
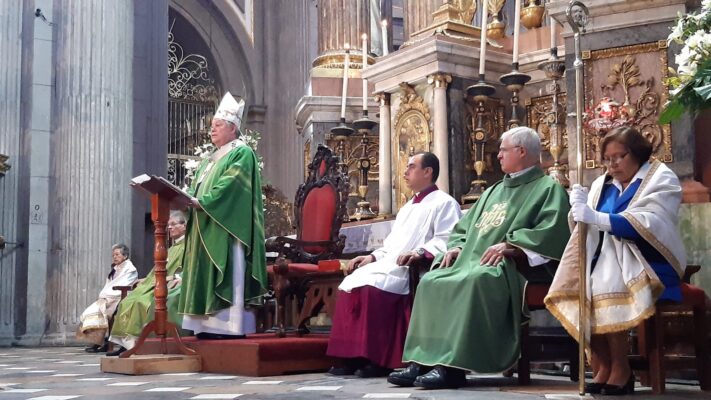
(469, 308)
(138, 308)
(224, 265)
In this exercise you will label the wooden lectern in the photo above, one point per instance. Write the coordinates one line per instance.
(164, 197)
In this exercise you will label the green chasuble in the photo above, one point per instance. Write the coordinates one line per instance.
(469, 316)
(230, 192)
(137, 309)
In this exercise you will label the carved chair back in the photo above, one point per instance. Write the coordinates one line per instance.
(320, 207)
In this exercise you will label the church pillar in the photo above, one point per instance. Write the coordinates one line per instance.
(418, 14)
(91, 163)
(385, 177)
(440, 141)
(340, 23)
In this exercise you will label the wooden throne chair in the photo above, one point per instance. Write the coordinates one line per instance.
(319, 208)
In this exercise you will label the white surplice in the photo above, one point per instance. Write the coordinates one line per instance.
(426, 225)
(97, 315)
(234, 320)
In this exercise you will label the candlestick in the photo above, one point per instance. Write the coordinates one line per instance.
(517, 30)
(344, 91)
(365, 82)
(553, 34)
(384, 30)
(482, 51)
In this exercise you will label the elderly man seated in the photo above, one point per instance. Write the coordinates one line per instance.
(95, 319)
(137, 309)
(467, 314)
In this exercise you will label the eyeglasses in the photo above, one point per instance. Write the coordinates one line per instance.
(503, 149)
(614, 160)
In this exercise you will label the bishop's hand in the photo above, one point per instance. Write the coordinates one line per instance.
(495, 254)
(195, 203)
(358, 262)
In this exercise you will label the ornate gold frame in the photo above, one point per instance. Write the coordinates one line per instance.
(412, 134)
(664, 149)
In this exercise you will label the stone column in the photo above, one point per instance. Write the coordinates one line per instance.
(440, 136)
(12, 209)
(91, 161)
(341, 22)
(385, 174)
(418, 14)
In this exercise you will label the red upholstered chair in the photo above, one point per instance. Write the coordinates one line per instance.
(320, 207)
(670, 326)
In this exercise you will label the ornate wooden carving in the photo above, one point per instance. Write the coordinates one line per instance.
(293, 249)
(539, 116)
(412, 134)
(625, 86)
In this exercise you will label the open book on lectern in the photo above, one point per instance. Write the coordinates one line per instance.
(152, 184)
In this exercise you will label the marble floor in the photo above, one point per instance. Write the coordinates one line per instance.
(70, 373)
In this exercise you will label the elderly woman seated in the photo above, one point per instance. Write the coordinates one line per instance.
(95, 319)
(635, 256)
(137, 309)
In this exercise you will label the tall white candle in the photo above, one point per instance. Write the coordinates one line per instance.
(384, 30)
(553, 34)
(482, 52)
(365, 64)
(344, 91)
(517, 30)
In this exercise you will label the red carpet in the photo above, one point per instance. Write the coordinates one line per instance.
(256, 355)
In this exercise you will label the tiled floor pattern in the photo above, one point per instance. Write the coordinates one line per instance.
(70, 373)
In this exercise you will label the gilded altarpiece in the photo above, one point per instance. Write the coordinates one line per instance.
(626, 86)
(412, 134)
(494, 124)
(352, 151)
(540, 116)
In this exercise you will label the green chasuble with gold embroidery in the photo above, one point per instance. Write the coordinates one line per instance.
(229, 190)
(469, 316)
(138, 308)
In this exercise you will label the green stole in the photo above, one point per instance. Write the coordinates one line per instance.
(137, 309)
(230, 193)
(469, 316)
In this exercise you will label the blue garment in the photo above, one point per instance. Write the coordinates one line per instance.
(612, 203)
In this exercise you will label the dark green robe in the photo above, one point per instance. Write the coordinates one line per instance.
(138, 308)
(230, 194)
(469, 316)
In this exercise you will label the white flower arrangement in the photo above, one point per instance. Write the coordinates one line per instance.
(690, 84)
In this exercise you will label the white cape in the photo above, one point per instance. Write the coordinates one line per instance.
(97, 315)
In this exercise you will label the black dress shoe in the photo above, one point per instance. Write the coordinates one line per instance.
(407, 376)
(373, 371)
(342, 371)
(614, 390)
(92, 349)
(217, 336)
(442, 378)
(116, 352)
(594, 387)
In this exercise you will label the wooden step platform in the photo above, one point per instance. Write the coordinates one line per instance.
(256, 355)
(151, 364)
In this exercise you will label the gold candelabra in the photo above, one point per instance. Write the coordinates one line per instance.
(480, 92)
(554, 69)
(364, 126)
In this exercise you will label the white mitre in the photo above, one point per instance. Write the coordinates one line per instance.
(230, 110)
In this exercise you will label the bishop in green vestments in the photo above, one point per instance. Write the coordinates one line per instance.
(469, 309)
(138, 308)
(224, 265)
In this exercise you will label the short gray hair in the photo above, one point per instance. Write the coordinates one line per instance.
(123, 248)
(525, 137)
(178, 216)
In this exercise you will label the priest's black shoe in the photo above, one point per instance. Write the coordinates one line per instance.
(343, 371)
(594, 387)
(116, 352)
(97, 348)
(373, 371)
(442, 378)
(614, 390)
(217, 336)
(407, 376)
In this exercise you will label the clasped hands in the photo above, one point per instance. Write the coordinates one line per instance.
(405, 259)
